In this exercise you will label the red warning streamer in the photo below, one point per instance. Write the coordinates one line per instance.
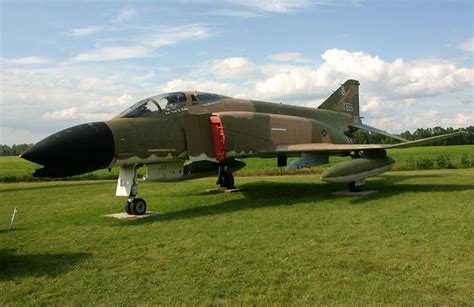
(218, 137)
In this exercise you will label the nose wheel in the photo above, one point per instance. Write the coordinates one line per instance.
(135, 206)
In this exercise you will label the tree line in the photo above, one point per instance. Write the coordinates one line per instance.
(359, 137)
(363, 137)
(14, 150)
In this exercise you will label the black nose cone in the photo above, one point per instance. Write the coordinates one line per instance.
(88, 146)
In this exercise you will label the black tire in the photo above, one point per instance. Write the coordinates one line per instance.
(222, 180)
(231, 182)
(226, 180)
(138, 206)
(354, 188)
(128, 207)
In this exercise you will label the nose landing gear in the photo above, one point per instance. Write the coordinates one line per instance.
(127, 186)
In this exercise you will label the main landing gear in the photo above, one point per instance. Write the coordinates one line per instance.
(225, 179)
(358, 185)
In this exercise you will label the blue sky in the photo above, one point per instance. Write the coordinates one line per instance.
(68, 62)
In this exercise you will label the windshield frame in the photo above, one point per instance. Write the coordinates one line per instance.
(156, 100)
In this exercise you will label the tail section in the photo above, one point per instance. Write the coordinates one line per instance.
(344, 99)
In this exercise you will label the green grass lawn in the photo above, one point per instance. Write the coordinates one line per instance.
(16, 169)
(282, 240)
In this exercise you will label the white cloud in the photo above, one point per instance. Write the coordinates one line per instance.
(50, 99)
(386, 86)
(236, 13)
(110, 104)
(460, 120)
(426, 119)
(273, 69)
(94, 83)
(299, 83)
(79, 32)
(468, 44)
(388, 123)
(112, 53)
(373, 104)
(69, 113)
(125, 14)
(124, 100)
(170, 36)
(288, 57)
(25, 60)
(356, 3)
(146, 45)
(409, 119)
(277, 6)
(233, 68)
(412, 119)
(395, 95)
(397, 79)
(148, 76)
(10, 136)
(357, 65)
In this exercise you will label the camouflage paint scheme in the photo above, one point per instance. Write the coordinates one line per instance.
(252, 129)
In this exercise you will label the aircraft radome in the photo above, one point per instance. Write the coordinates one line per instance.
(184, 135)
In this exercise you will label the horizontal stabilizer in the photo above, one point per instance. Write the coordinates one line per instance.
(341, 148)
(427, 140)
(377, 131)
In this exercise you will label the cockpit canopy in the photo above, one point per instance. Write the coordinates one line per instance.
(168, 103)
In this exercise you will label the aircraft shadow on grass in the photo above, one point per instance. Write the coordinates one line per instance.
(13, 265)
(390, 185)
(273, 194)
(59, 185)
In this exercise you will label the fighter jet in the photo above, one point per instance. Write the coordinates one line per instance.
(185, 135)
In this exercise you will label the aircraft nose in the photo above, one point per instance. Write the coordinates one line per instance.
(86, 146)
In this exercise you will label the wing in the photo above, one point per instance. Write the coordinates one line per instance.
(342, 148)
(320, 147)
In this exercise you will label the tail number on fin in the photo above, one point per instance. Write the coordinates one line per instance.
(348, 107)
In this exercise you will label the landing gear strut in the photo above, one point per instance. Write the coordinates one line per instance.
(357, 186)
(225, 178)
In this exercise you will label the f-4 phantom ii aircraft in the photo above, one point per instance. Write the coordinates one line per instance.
(185, 135)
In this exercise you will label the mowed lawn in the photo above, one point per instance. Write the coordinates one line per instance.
(282, 240)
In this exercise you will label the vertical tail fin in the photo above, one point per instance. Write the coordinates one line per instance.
(344, 99)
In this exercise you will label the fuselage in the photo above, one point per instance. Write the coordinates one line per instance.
(163, 136)
(175, 126)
